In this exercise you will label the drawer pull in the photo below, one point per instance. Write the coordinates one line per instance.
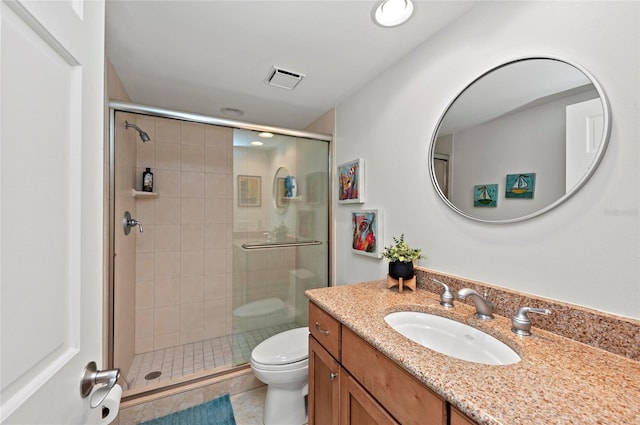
(332, 376)
(322, 331)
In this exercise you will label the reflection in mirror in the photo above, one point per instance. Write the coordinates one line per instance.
(543, 123)
(280, 200)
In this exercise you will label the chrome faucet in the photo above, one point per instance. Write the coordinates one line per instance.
(446, 297)
(521, 323)
(484, 307)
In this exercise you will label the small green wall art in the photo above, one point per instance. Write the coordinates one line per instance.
(485, 195)
(521, 186)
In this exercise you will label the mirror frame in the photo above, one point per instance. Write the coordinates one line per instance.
(594, 165)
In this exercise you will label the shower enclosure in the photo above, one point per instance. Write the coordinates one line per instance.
(221, 252)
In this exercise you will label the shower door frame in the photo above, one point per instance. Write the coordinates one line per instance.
(119, 106)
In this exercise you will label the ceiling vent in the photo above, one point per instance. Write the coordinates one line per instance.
(284, 79)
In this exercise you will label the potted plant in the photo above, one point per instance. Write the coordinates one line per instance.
(401, 258)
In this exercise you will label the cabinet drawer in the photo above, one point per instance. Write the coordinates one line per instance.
(406, 398)
(325, 329)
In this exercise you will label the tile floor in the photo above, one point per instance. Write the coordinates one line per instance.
(248, 406)
(217, 353)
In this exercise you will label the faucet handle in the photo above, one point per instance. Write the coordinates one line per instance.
(521, 322)
(446, 297)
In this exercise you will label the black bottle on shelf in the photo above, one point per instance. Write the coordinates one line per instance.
(147, 180)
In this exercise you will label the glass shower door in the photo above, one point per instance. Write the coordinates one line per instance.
(280, 234)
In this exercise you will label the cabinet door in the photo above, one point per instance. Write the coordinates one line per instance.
(458, 418)
(357, 407)
(324, 386)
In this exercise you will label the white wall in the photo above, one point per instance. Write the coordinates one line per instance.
(587, 250)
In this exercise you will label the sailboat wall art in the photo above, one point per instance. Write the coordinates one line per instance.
(520, 186)
(485, 195)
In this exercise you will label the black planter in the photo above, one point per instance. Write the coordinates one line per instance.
(398, 269)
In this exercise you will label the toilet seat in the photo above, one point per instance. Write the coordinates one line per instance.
(284, 351)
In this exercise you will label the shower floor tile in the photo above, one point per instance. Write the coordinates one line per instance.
(184, 360)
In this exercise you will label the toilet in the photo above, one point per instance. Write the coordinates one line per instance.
(282, 362)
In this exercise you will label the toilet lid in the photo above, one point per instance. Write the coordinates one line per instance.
(286, 347)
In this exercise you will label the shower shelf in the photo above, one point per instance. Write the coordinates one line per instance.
(140, 194)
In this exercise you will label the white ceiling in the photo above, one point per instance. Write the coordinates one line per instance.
(201, 56)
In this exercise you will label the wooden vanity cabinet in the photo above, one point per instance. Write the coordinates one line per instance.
(324, 386)
(458, 418)
(358, 407)
(352, 383)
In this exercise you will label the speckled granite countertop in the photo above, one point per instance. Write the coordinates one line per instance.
(558, 380)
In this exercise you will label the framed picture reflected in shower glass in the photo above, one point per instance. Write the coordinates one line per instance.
(249, 191)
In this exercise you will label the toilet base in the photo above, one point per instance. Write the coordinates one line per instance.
(284, 407)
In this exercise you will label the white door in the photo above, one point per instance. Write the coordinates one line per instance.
(585, 130)
(51, 207)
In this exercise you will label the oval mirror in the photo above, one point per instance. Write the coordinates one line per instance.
(280, 200)
(519, 140)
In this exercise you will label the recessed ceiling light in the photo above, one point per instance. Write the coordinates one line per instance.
(391, 13)
(232, 112)
(265, 135)
(257, 143)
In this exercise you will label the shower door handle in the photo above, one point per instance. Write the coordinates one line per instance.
(129, 222)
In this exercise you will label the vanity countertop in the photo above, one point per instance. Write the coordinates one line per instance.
(558, 380)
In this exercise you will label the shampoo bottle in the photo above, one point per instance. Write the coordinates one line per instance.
(147, 180)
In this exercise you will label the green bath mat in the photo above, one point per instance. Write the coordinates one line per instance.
(215, 412)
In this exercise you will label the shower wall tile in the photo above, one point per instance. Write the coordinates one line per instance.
(161, 341)
(187, 237)
(144, 323)
(167, 237)
(166, 183)
(144, 295)
(215, 160)
(215, 287)
(144, 266)
(192, 158)
(192, 211)
(191, 264)
(167, 130)
(216, 211)
(215, 236)
(192, 335)
(215, 262)
(146, 211)
(192, 289)
(192, 237)
(215, 186)
(192, 185)
(191, 316)
(168, 210)
(167, 156)
(145, 242)
(166, 320)
(192, 133)
(167, 265)
(166, 292)
(219, 137)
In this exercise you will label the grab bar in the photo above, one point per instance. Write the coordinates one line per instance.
(279, 244)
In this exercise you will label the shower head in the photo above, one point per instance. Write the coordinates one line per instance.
(143, 134)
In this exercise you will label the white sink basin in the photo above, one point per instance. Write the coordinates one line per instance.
(452, 338)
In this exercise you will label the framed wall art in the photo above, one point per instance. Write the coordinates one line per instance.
(249, 191)
(351, 182)
(521, 186)
(366, 227)
(485, 195)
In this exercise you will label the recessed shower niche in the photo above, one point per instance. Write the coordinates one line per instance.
(208, 280)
